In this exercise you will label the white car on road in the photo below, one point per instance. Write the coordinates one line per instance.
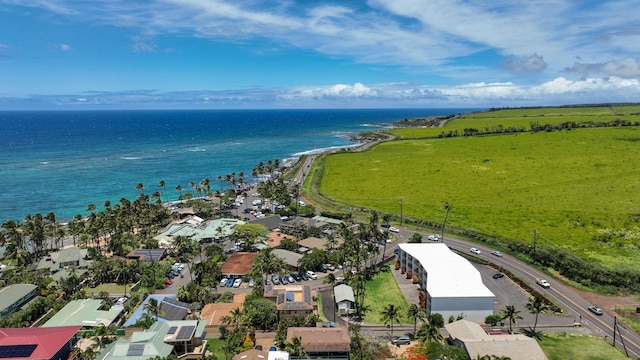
(394, 229)
(475, 251)
(434, 237)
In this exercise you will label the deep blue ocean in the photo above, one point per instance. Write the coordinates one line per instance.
(61, 161)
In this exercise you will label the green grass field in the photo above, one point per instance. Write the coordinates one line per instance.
(523, 118)
(578, 347)
(381, 291)
(577, 188)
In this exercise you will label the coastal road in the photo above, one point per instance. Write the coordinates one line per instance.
(564, 296)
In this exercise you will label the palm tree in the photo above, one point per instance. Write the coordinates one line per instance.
(536, 305)
(416, 312)
(179, 189)
(236, 316)
(390, 315)
(428, 333)
(153, 307)
(140, 186)
(162, 185)
(329, 279)
(295, 347)
(511, 314)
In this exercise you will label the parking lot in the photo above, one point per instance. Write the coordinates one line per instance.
(508, 293)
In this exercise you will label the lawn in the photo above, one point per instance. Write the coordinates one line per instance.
(577, 189)
(578, 347)
(215, 346)
(381, 291)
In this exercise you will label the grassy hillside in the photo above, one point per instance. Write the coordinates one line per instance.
(577, 188)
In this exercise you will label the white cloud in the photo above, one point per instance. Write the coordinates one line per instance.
(4, 46)
(65, 47)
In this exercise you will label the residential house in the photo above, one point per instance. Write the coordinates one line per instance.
(322, 343)
(477, 342)
(344, 297)
(14, 297)
(291, 300)
(184, 338)
(54, 343)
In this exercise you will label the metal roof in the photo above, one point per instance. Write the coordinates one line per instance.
(448, 274)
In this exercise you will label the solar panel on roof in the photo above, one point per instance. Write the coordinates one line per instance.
(14, 351)
(172, 312)
(172, 330)
(135, 350)
(185, 333)
(290, 296)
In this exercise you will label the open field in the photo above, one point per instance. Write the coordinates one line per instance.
(577, 188)
(381, 291)
(578, 347)
(522, 118)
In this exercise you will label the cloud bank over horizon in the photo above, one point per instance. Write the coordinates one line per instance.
(312, 54)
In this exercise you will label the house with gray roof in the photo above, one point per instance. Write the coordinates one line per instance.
(344, 297)
(290, 258)
(184, 338)
(14, 297)
(65, 260)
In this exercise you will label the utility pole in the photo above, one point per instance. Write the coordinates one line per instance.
(401, 210)
(535, 238)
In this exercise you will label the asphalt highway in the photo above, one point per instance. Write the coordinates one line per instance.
(564, 296)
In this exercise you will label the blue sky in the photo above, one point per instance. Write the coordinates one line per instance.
(78, 54)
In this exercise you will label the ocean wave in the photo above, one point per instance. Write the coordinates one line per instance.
(197, 150)
(130, 158)
(45, 162)
(322, 150)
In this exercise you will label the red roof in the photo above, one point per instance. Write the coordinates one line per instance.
(48, 340)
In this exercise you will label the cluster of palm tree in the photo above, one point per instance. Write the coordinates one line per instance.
(535, 305)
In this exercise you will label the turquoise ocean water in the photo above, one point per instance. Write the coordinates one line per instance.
(61, 161)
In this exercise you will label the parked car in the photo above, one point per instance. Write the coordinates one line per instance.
(304, 276)
(267, 281)
(296, 277)
(496, 253)
(237, 282)
(251, 282)
(223, 282)
(290, 278)
(594, 309)
(168, 282)
(230, 283)
(394, 229)
(498, 276)
(401, 340)
(312, 275)
(94, 283)
(475, 251)
(284, 280)
(329, 267)
(276, 280)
